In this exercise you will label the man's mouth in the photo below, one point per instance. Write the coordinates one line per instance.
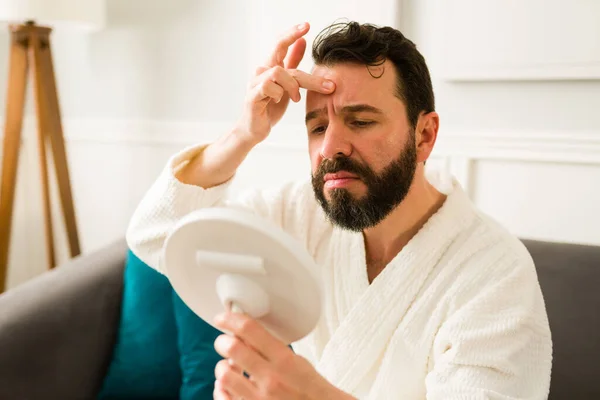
(339, 179)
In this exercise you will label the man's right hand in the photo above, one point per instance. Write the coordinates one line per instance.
(275, 83)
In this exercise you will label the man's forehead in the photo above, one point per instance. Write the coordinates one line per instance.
(355, 83)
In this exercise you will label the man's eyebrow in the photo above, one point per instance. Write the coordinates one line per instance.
(313, 114)
(355, 108)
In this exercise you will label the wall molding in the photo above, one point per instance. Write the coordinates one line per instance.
(577, 147)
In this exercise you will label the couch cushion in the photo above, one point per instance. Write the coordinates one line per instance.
(163, 349)
(569, 276)
(145, 363)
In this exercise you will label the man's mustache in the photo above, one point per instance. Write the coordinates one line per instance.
(333, 165)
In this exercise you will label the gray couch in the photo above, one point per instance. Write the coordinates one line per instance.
(57, 331)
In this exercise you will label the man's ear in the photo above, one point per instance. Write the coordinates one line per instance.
(426, 134)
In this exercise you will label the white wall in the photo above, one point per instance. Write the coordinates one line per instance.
(518, 86)
(167, 74)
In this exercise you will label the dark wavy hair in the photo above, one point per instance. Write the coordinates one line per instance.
(371, 45)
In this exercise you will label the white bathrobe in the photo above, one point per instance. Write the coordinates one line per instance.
(457, 314)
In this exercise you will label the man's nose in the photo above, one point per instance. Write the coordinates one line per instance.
(335, 142)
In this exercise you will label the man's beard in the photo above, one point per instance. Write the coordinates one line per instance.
(385, 191)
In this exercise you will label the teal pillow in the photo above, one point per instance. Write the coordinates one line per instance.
(198, 356)
(145, 363)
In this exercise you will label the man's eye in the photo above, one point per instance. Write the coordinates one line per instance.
(318, 129)
(362, 124)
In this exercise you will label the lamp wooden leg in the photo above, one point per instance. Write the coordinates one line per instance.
(15, 104)
(57, 142)
(44, 128)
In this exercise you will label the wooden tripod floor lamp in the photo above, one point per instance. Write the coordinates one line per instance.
(30, 53)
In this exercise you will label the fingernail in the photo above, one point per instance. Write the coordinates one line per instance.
(328, 85)
(301, 26)
(220, 342)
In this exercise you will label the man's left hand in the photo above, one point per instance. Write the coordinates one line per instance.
(275, 371)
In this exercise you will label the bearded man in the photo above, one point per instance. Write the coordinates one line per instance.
(425, 296)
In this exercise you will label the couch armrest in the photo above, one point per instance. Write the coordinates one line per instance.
(57, 331)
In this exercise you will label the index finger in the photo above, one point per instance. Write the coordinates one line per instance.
(281, 48)
(312, 82)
